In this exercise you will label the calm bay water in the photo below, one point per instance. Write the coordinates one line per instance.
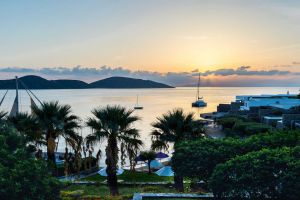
(155, 101)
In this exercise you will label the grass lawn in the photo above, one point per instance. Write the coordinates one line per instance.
(165, 198)
(103, 191)
(129, 176)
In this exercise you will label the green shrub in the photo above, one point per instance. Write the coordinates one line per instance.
(115, 198)
(154, 189)
(72, 194)
(21, 175)
(198, 158)
(228, 122)
(271, 174)
(250, 128)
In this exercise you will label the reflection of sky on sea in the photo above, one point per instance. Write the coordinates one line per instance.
(155, 102)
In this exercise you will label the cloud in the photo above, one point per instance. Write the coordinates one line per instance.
(244, 71)
(173, 78)
(296, 63)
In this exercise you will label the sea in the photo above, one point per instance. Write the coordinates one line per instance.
(155, 102)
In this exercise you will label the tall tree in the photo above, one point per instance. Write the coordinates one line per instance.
(55, 120)
(115, 124)
(172, 127)
(76, 142)
(148, 156)
(132, 147)
(29, 127)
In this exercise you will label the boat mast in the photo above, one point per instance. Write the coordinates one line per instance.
(17, 95)
(137, 99)
(198, 87)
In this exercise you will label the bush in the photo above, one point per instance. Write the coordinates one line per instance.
(154, 189)
(250, 128)
(77, 194)
(197, 159)
(239, 126)
(22, 176)
(123, 197)
(228, 122)
(273, 174)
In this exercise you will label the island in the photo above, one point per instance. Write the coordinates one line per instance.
(37, 82)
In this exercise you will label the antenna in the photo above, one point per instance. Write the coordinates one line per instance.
(17, 95)
(198, 86)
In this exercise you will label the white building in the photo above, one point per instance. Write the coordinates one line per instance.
(283, 101)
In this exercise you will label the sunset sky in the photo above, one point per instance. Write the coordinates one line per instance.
(168, 40)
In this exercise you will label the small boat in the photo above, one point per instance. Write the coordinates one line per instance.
(199, 103)
(137, 106)
(199, 100)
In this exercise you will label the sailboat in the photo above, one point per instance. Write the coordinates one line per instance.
(137, 106)
(16, 107)
(199, 100)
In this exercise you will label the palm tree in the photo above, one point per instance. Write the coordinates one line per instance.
(29, 127)
(132, 148)
(113, 123)
(76, 142)
(172, 127)
(55, 120)
(147, 157)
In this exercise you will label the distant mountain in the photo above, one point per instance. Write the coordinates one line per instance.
(36, 82)
(124, 82)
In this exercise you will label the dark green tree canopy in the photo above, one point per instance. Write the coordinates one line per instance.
(198, 158)
(266, 174)
(22, 176)
(174, 126)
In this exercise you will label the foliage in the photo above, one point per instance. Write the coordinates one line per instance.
(228, 122)
(239, 126)
(198, 158)
(174, 126)
(148, 156)
(134, 177)
(250, 128)
(22, 176)
(55, 120)
(126, 192)
(273, 174)
(113, 123)
(29, 127)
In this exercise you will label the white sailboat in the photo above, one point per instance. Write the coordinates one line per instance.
(16, 107)
(199, 100)
(137, 106)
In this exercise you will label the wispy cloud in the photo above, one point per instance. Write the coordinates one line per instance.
(244, 71)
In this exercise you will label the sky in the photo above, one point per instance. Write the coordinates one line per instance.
(230, 42)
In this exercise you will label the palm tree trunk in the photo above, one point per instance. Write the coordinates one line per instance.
(66, 163)
(178, 181)
(149, 166)
(111, 162)
(51, 150)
